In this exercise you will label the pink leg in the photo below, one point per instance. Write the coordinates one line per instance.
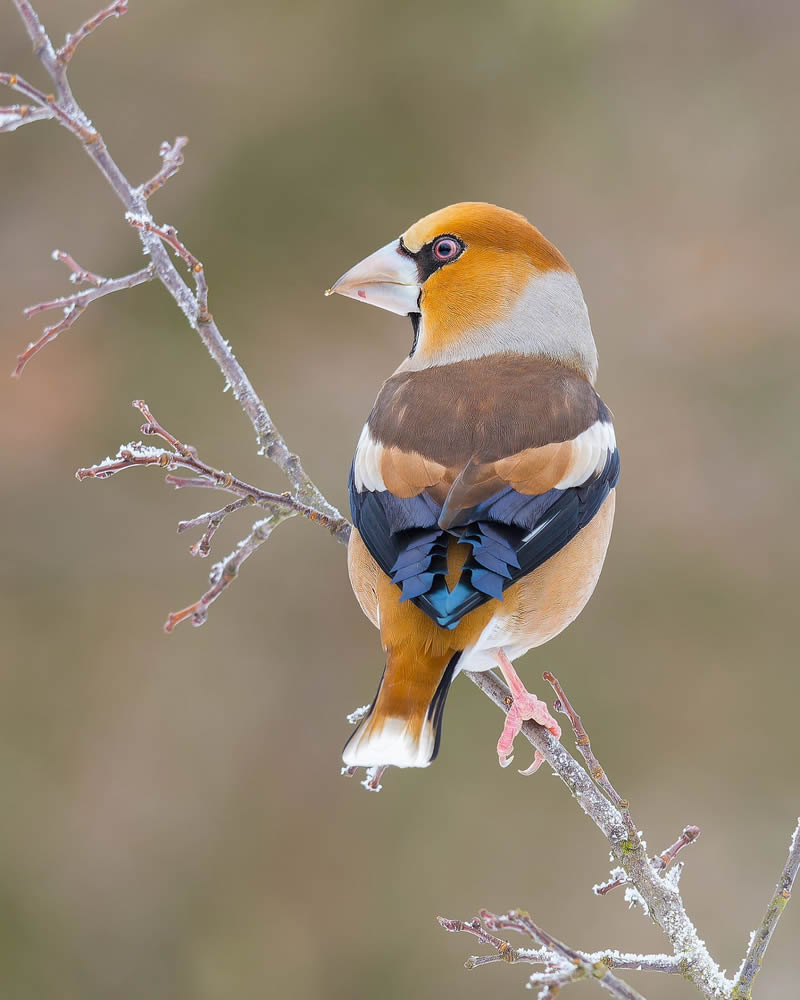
(525, 706)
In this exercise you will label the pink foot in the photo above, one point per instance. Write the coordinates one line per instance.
(525, 706)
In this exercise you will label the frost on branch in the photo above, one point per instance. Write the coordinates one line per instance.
(561, 965)
(11, 118)
(358, 714)
(73, 305)
(72, 41)
(279, 506)
(225, 572)
(171, 161)
(154, 239)
(618, 877)
(648, 881)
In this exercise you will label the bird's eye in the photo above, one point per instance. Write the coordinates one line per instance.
(446, 248)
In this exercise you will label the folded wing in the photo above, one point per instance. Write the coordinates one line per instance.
(487, 479)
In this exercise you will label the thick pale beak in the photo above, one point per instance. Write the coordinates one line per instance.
(387, 278)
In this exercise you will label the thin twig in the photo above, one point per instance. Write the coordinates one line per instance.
(603, 888)
(688, 836)
(603, 813)
(212, 520)
(662, 900)
(759, 941)
(596, 970)
(505, 952)
(43, 48)
(74, 305)
(225, 572)
(72, 41)
(79, 274)
(613, 959)
(171, 162)
(14, 115)
(562, 704)
(358, 714)
(72, 117)
(185, 456)
(169, 234)
(79, 125)
(179, 482)
(563, 965)
(660, 862)
(372, 781)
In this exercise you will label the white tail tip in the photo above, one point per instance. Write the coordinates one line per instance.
(390, 741)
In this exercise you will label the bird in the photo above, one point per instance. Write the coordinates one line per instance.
(482, 490)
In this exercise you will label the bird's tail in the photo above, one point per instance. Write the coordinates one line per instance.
(404, 723)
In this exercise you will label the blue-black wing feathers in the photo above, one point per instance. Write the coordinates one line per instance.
(511, 534)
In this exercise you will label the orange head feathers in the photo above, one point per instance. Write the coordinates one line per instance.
(488, 229)
(478, 280)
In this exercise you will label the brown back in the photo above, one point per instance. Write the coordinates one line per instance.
(484, 409)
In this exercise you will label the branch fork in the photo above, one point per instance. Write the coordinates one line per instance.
(194, 306)
(660, 862)
(648, 881)
(562, 965)
(74, 305)
(278, 506)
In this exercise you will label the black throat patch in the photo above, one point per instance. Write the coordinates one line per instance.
(416, 319)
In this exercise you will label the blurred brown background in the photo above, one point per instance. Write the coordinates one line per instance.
(174, 824)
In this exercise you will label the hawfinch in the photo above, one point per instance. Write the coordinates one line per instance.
(482, 487)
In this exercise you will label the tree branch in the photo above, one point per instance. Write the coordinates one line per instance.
(185, 456)
(563, 965)
(11, 117)
(212, 521)
(658, 894)
(77, 123)
(225, 572)
(74, 305)
(562, 704)
(660, 862)
(279, 506)
(761, 937)
(67, 50)
(79, 274)
(71, 116)
(171, 162)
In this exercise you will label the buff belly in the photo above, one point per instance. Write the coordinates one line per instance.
(546, 601)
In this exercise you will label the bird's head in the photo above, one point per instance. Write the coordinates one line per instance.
(477, 280)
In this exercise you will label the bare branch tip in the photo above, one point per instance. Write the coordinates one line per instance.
(194, 611)
(14, 116)
(74, 305)
(72, 41)
(172, 160)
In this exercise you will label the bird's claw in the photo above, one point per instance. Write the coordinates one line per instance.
(505, 759)
(525, 706)
(538, 760)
